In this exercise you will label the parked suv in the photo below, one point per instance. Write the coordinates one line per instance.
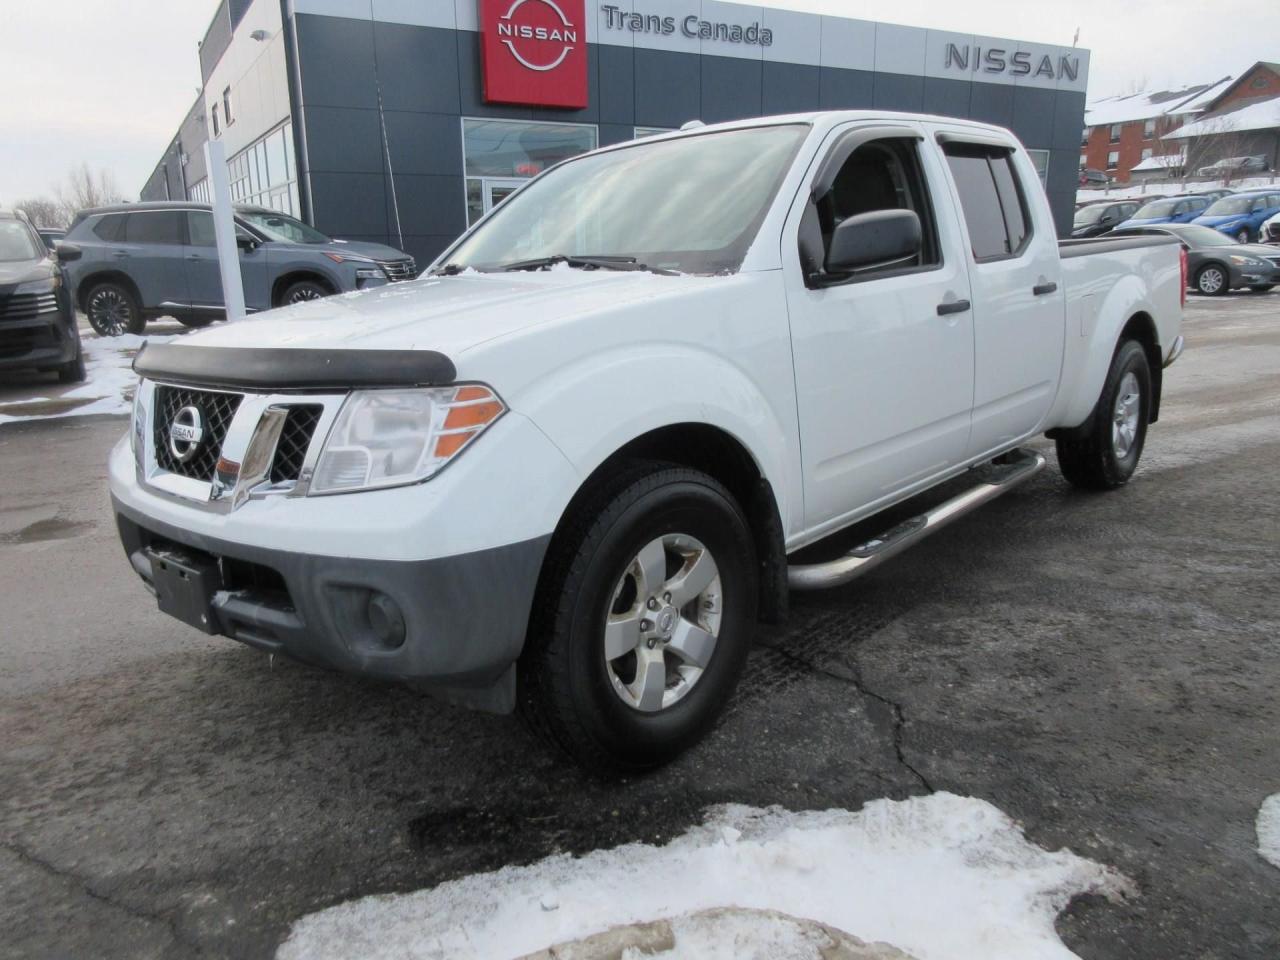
(144, 260)
(37, 325)
(1255, 164)
(1169, 210)
(1098, 218)
(1241, 215)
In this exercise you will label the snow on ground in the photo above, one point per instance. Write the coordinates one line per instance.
(937, 876)
(108, 386)
(1269, 830)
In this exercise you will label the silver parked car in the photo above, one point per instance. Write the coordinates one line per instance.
(144, 260)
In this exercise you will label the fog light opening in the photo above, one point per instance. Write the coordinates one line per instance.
(386, 621)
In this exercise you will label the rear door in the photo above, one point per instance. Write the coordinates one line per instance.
(152, 256)
(204, 275)
(1018, 302)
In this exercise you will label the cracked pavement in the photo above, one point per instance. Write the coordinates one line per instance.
(1102, 668)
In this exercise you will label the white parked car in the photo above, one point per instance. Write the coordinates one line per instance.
(1270, 231)
(566, 469)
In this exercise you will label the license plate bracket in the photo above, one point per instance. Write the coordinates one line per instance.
(185, 586)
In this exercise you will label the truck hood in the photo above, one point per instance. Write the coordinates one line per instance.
(448, 314)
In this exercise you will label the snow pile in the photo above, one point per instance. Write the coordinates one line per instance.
(937, 876)
(108, 386)
(1269, 830)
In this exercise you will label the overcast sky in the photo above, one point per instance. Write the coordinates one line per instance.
(108, 81)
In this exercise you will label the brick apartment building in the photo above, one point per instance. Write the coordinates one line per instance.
(1123, 131)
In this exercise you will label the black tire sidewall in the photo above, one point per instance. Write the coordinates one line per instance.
(698, 510)
(136, 324)
(1129, 358)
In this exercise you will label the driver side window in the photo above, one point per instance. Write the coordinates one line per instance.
(879, 175)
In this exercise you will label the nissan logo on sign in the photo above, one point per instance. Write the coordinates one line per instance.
(534, 52)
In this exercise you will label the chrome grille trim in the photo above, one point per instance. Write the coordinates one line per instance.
(398, 270)
(28, 306)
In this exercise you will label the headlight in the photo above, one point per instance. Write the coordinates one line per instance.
(389, 438)
(370, 273)
(44, 285)
(1246, 261)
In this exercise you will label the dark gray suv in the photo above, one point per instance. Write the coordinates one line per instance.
(143, 260)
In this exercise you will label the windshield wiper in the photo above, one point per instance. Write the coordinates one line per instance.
(585, 263)
(448, 270)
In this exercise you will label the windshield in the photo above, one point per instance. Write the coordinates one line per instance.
(1198, 236)
(692, 204)
(279, 227)
(16, 243)
(1230, 205)
(1088, 215)
(1157, 208)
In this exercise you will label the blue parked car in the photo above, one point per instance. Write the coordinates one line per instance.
(1241, 215)
(1169, 210)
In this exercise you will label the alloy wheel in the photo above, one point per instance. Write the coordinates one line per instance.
(1211, 280)
(110, 313)
(302, 294)
(663, 624)
(1124, 419)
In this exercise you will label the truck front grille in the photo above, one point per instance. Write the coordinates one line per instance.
(291, 450)
(216, 411)
(398, 270)
(27, 306)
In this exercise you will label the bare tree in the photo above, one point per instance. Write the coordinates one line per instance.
(1215, 138)
(44, 211)
(86, 188)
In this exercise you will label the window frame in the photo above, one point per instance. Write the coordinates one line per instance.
(227, 117)
(1007, 153)
(180, 212)
(1113, 164)
(845, 146)
(217, 129)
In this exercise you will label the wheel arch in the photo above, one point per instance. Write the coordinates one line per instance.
(1142, 328)
(91, 280)
(290, 277)
(722, 456)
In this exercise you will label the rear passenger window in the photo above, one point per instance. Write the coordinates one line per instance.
(110, 228)
(158, 226)
(995, 209)
(200, 228)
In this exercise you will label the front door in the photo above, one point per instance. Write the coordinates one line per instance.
(495, 191)
(884, 378)
(1019, 312)
(204, 276)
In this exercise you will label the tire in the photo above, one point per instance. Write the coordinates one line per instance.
(73, 370)
(1213, 280)
(113, 310)
(195, 322)
(1103, 452)
(599, 570)
(300, 291)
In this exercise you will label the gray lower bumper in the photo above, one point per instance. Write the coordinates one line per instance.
(464, 616)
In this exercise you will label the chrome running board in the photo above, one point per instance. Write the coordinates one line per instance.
(996, 479)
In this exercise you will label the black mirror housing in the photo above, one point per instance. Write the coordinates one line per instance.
(66, 252)
(881, 238)
(246, 242)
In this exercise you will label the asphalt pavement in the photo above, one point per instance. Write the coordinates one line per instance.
(1101, 667)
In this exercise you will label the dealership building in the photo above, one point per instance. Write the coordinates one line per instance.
(401, 121)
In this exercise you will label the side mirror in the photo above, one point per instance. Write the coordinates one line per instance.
(246, 242)
(66, 252)
(881, 238)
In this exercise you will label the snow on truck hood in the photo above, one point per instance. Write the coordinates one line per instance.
(448, 314)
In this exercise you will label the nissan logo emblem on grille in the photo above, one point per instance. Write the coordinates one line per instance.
(185, 433)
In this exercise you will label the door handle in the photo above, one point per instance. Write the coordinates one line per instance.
(194, 256)
(1040, 289)
(121, 254)
(955, 306)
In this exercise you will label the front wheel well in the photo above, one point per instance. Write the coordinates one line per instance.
(722, 456)
(284, 282)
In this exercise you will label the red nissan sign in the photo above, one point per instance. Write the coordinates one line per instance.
(534, 51)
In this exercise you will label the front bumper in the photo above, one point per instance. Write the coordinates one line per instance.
(47, 340)
(464, 617)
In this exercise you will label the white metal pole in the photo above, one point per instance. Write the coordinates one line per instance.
(224, 229)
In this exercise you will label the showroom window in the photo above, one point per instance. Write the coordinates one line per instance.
(499, 155)
(652, 131)
(264, 173)
(199, 191)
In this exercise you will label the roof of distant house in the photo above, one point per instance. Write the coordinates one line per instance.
(1169, 162)
(1256, 115)
(1148, 104)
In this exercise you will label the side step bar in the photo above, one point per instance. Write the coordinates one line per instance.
(992, 480)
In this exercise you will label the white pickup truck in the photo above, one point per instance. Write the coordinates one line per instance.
(565, 469)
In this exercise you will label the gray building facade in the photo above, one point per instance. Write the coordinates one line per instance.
(368, 118)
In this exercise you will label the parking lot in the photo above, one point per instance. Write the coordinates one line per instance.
(1102, 668)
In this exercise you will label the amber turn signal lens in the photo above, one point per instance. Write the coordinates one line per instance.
(460, 418)
(451, 443)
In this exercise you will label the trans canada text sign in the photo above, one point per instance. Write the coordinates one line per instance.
(534, 52)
